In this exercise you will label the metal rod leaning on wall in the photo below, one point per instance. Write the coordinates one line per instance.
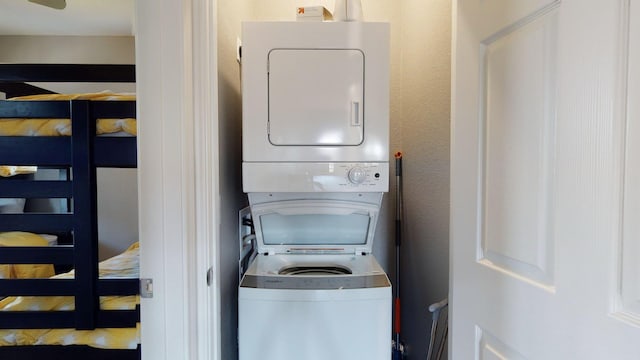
(398, 348)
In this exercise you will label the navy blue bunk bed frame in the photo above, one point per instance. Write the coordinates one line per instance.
(82, 152)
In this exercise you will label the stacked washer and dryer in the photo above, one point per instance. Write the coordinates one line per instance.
(315, 167)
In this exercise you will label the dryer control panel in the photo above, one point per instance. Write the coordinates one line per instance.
(315, 177)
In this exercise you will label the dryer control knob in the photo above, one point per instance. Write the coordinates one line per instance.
(357, 175)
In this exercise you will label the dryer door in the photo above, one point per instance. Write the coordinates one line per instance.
(316, 97)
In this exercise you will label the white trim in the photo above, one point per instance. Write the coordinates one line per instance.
(205, 98)
(625, 294)
(177, 171)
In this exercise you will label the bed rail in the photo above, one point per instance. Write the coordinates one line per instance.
(108, 151)
(111, 73)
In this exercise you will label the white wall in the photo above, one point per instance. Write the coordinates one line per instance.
(419, 110)
(117, 188)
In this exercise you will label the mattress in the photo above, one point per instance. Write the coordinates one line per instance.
(62, 127)
(10, 170)
(24, 271)
(125, 265)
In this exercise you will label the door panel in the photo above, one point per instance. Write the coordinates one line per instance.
(490, 348)
(543, 199)
(517, 140)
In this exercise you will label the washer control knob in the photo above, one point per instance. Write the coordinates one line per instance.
(357, 175)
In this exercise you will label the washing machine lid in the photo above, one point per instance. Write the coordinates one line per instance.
(314, 227)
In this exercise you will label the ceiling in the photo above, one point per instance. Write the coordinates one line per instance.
(80, 17)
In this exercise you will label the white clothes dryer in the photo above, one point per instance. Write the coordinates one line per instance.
(315, 106)
(314, 291)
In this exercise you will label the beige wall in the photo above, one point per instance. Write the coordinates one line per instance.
(71, 49)
(117, 188)
(61, 49)
(231, 12)
(424, 135)
(419, 111)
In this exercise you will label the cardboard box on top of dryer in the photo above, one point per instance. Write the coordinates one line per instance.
(313, 13)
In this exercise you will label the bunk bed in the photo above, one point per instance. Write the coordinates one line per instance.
(79, 154)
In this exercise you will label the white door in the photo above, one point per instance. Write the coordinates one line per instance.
(545, 181)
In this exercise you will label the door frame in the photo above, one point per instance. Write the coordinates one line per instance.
(177, 177)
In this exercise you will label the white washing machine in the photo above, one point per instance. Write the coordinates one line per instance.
(315, 167)
(314, 291)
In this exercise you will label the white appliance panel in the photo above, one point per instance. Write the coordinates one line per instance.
(315, 177)
(314, 324)
(315, 97)
(284, 317)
